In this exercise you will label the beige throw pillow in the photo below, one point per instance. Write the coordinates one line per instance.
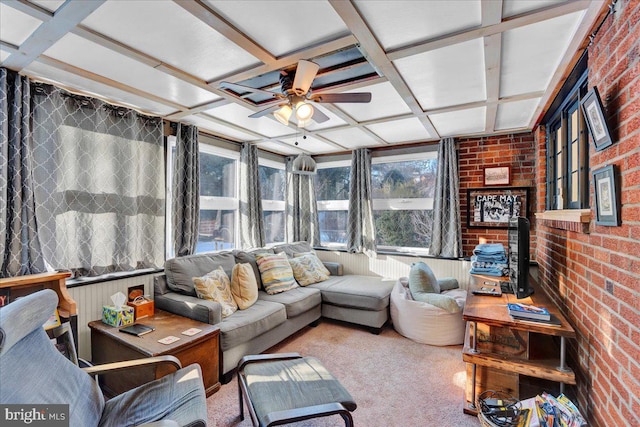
(244, 286)
(215, 286)
(308, 269)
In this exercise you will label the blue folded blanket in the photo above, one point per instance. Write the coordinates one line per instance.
(489, 249)
(490, 271)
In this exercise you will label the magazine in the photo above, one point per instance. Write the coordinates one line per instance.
(528, 311)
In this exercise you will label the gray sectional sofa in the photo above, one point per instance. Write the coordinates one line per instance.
(363, 300)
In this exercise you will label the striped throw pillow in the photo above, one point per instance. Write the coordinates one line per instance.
(308, 269)
(276, 273)
(215, 286)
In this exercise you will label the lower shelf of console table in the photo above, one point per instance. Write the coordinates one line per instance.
(108, 344)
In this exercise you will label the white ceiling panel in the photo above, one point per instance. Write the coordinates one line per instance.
(100, 60)
(310, 144)
(219, 129)
(284, 26)
(93, 88)
(3, 55)
(517, 7)
(459, 122)
(385, 102)
(447, 76)
(279, 147)
(531, 54)
(50, 5)
(15, 26)
(191, 45)
(333, 121)
(517, 114)
(239, 115)
(351, 138)
(405, 130)
(398, 23)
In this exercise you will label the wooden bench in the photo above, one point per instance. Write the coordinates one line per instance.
(285, 388)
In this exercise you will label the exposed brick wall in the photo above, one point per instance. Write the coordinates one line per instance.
(574, 265)
(516, 151)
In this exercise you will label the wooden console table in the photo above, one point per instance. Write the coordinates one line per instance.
(500, 350)
(20, 286)
(108, 344)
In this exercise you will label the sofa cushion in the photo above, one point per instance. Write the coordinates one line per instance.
(308, 269)
(277, 275)
(244, 286)
(296, 301)
(362, 292)
(180, 271)
(250, 257)
(422, 280)
(247, 324)
(291, 249)
(215, 286)
(442, 301)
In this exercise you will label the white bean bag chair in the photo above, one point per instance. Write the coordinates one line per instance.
(426, 323)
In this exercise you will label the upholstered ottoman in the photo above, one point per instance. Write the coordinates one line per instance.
(285, 388)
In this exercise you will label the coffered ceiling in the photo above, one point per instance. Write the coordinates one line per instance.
(434, 68)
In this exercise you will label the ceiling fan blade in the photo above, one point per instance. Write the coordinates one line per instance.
(362, 97)
(242, 89)
(319, 116)
(266, 111)
(305, 73)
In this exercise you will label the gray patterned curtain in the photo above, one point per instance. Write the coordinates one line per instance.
(446, 236)
(185, 214)
(361, 235)
(19, 244)
(302, 209)
(251, 221)
(99, 176)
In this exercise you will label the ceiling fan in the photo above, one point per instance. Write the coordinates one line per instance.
(296, 95)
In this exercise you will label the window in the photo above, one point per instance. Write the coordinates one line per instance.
(567, 153)
(403, 189)
(272, 191)
(332, 195)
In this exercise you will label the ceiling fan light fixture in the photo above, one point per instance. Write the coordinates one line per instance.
(304, 165)
(283, 114)
(304, 111)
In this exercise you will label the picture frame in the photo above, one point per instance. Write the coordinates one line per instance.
(607, 196)
(493, 207)
(596, 121)
(497, 175)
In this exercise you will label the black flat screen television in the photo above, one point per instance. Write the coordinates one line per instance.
(518, 240)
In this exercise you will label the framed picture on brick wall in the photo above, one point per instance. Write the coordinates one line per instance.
(493, 207)
(500, 175)
(594, 116)
(605, 182)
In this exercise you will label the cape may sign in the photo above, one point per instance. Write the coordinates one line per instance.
(492, 207)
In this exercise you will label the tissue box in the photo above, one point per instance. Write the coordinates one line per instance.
(142, 307)
(117, 316)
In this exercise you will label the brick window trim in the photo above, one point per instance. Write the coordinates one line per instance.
(566, 219)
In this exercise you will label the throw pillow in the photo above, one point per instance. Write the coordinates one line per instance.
(442, 301)
(244, 286)
(448, 283)
(215, 286)
(308, 269)
(422, 280)
(276, 273)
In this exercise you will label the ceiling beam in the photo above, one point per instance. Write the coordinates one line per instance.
(68, 16)
(30, 9)
(538, 15)
(204, 13)
(492, 15)
(594, 14)
(378, 57)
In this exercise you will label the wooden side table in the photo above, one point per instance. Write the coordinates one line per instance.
(108, 344)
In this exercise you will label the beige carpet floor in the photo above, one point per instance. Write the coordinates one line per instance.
(394, 381)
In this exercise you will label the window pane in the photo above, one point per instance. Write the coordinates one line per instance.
(333, 227)
(273, 226)
(217, 175)
(574, 186)
(332, 184)
(403, 228)
(272, 182)
(216, 231)
(413, 178)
